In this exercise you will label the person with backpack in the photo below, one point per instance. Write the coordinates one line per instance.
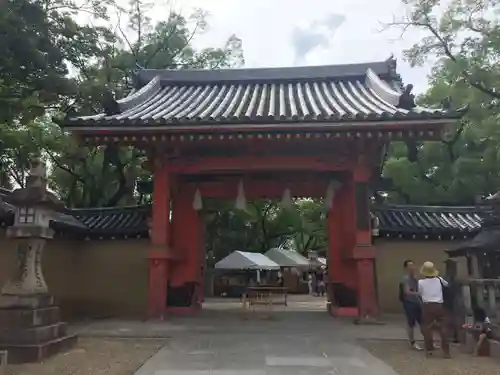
(433, 291)
(410, 298)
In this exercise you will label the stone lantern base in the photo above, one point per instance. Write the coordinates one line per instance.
(31, 329)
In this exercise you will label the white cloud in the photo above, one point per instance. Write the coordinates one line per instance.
(311, 32)
(317, 34)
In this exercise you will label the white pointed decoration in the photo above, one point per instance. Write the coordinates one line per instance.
(241, 201)
(332, 188)
(197, 201)
(286, 199)
(375, 225)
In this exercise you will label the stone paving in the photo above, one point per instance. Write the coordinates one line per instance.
(304, 313)
(262, 353)
(223, 340)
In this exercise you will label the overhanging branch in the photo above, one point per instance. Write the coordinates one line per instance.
(444, 44)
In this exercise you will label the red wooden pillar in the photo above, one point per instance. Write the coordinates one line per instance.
(364, 253)
(335, 214)
(159, 254)
(342, 236)
(201, 257)
(334, 257)
(186, 267)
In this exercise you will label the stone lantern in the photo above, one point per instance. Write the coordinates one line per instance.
(29, 321)
(35, 208)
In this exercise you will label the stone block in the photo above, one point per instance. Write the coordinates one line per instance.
(25, 318)
(3, 361)
(33, 335)
(470, 342)
(495, 349)
(26, 302)
(36, 352)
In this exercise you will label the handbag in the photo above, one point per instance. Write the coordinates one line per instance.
(447, 295)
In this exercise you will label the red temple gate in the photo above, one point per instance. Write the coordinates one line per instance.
(319, 131)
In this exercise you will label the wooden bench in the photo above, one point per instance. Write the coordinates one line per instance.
(267, 296)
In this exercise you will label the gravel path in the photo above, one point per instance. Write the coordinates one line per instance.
(408, 362)
(94, 356)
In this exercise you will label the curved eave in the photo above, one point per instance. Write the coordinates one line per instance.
(319, 120)
(320, 99)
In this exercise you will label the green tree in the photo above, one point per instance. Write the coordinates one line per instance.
(309, 226)
(107, 176)
(263, 225)
(39, 41)
(464, 41)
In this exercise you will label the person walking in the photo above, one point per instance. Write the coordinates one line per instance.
(431, 290)
(314, 284)
(410, 298)
(281, 279)
(310, 283)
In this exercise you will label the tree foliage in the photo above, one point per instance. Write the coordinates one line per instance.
(265, 224)
(463, 39)
(53, 64)
(40, 40)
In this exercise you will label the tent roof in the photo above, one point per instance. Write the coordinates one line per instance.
(241, 260)
(318, 262)
(287, 258)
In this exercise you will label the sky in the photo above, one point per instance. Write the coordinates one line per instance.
(280, 33)
(308, 32)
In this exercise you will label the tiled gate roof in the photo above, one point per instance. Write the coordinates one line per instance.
(337, 93)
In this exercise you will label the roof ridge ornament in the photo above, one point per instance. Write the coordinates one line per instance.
(136, 81)
(392, 63)
(407, 99)
(109, 103)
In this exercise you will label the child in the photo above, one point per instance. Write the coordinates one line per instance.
(484, 323)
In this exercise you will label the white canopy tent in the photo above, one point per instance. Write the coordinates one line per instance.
(241, 260)
(287, 258)
(318, 262)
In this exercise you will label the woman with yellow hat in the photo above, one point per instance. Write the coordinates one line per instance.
(430, 289)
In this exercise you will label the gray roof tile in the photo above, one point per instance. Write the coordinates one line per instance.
(394, 220)
(359, 92)
(430, 220)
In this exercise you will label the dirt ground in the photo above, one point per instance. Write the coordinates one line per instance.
(409, 362)
(94, 356)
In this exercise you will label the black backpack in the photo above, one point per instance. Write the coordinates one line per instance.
(448, 297)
